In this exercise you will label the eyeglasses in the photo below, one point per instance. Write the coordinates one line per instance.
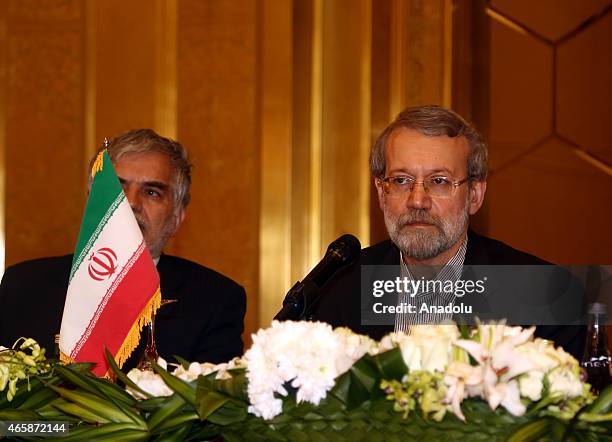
(435, 186)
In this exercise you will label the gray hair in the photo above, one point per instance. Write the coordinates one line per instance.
(433, 121)
(145, 141)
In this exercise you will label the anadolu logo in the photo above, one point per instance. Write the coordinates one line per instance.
(102, 264)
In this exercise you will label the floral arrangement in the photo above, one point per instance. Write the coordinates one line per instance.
(24, 360)
(306, 381)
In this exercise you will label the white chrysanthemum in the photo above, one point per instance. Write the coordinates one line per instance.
(560, 367)
(196, 369)
(150, 382)
(530, 385)
(565, 381)
(307, 355)
(354, 347)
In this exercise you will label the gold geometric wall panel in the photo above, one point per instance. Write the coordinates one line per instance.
(520, 103)
(43, 128)
(552, 198)
(553, 204)
(584, 92)
(552, 19)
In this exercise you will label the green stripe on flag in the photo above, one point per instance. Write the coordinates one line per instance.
(105, 195)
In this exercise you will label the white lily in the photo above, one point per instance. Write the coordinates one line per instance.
(462, 380)
(496, 349)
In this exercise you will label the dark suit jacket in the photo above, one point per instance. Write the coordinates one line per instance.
(205, 324)
(340, 301)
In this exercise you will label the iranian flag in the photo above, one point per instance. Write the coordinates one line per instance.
(114, 286)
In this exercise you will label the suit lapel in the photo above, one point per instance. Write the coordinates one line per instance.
(171, 279)
(475, 255)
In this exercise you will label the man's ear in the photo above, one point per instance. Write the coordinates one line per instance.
(179, 217)
(477, 191)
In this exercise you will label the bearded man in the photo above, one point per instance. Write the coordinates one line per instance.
(206, 321)
(430, 169)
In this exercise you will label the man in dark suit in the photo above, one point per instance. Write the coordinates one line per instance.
(430, 170)
(206, 321)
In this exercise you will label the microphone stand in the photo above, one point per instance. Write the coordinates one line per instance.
(303, 296)
(298, 302)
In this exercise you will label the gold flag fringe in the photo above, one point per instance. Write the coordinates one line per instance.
(98, 163)
(133, 337)
(64, 358)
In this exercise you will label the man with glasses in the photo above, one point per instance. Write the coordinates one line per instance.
(430, 169)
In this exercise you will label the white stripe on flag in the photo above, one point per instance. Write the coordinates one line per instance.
(123, 236)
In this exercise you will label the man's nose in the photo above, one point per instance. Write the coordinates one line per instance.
(418, 198)
(133, 197)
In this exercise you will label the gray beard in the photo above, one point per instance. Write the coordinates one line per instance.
(425, 244)
(158, 244)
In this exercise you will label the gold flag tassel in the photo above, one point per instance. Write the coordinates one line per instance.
(65, 359)
(99, 162)
(133, 337)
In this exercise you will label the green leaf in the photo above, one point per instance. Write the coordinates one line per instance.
(176, 421)
(178, 435)
(232, 412)
(151, 404)
(50, 413)
(186, 390)
(184, 362)
(122, 376)
(591, 417)
(235, 387)
(364, 371)
(603, 404)
(168, 409)
(78, 411)
(109, 432)
(391, 364)
(76, 378)
(93, 403)
(40, 397)
(531, 431)
(22, 393)
(341, 389)
(205, 431)
(98, 386)
(18, 415)
(209, 402)
(101, 388)
(212, 394)
(123, 436)
(464, 331)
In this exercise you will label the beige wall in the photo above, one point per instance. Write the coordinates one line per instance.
(278, 102)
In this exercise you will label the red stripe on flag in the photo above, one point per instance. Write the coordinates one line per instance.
(120, 313)
(109, 292)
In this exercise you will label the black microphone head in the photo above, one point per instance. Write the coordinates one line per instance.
(347, 248)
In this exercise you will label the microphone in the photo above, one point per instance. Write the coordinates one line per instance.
(304, 294)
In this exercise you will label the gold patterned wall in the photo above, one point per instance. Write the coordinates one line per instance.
(278, 102)
(217, 93)
(540, 77)
(43, 125)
